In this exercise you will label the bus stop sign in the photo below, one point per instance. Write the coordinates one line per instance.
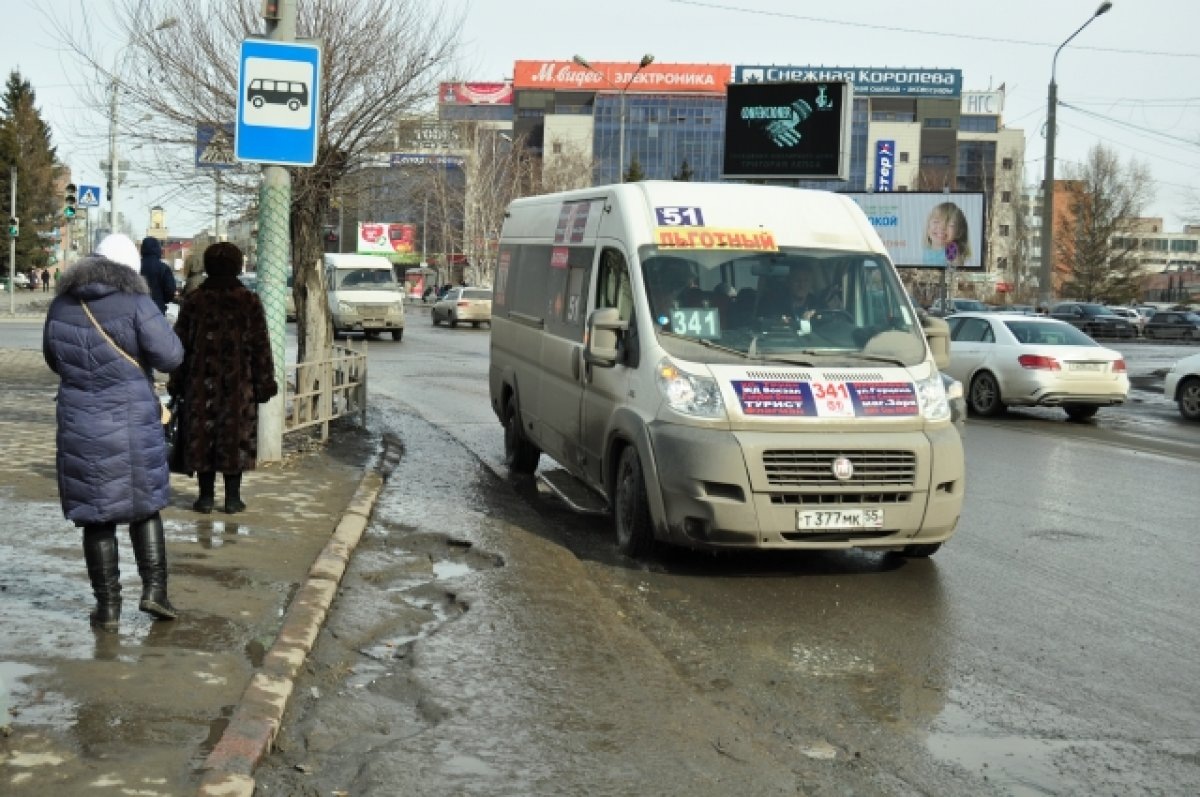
(278, 98)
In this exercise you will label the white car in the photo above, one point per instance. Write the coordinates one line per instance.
(1017, 360)
(1183, 386)
(1135, 316)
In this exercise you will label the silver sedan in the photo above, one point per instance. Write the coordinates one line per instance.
(1017, 360)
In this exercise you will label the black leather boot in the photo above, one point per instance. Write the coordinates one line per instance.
(233, 493)
(150, 550)
(208, 487)
(100, 553)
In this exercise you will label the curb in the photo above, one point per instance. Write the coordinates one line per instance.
(229, 768)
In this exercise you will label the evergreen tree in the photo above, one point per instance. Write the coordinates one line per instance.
(635, 173)
(685, 173)
(25, 143)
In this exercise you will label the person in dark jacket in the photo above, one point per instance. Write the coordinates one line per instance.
(112, 456)
(227, 371)
(160, 278)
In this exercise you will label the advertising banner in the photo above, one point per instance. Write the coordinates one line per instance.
(386, 239)
(788, 130)
(921, 229)
(609, 76)
(885, 165)
(869, 81)
(475, 93)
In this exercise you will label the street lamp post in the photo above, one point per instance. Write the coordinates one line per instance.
(114, 171)
(1047, 275)
(647, 59)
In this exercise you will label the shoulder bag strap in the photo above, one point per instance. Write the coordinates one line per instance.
(111, 342)
(166, 412)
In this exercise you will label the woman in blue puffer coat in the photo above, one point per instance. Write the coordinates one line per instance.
(112, 456)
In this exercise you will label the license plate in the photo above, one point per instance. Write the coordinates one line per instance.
(837, 519)
(1087, 366)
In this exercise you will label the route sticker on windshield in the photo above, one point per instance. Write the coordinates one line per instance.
(826, 399)
(715, 238)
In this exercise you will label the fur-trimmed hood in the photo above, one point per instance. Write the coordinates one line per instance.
(96, 276)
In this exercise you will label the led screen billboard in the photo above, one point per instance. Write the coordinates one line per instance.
(788, 130)
(917, 228)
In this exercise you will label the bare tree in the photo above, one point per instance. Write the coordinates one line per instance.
(178, 69)
(1103, 195)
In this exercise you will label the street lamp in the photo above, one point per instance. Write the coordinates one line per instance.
(1047, 276)
(114, 171)
(647, 59)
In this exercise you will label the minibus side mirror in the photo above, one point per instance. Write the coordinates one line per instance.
(937, 332)
(604, 330)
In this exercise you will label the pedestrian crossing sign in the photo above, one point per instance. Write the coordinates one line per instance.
(89, 196)
(214, 147)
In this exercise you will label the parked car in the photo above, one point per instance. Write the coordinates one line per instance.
(1182, 385)
(956, 306)
(1009, 360)
(1093, 319)
(473, 305)
(1173, 324)
(1134, 317)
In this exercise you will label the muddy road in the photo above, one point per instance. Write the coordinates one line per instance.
(488, 641)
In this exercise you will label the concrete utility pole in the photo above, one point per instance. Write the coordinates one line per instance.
(12, 244)
(274, 247)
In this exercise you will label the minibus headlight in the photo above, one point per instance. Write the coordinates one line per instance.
(689, 394)
(935, 405)
(345, 308)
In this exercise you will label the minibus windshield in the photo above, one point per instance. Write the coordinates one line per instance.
(370, 279)
(801, 304)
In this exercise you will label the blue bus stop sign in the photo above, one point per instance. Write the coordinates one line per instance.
(278, 98)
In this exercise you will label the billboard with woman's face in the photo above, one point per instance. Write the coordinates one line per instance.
(931, 230)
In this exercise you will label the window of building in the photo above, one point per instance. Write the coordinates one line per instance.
(903, 157)
(935, 160)
(1006, 196)
(979, 124)
(1184, 245)
(1006, 164)
(938, 122)
(1004, 229)
(1002, 263)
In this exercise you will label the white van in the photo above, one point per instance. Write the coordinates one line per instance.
(364, 295)
(649, 339)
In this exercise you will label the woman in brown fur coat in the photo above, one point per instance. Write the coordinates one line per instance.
(227, 372)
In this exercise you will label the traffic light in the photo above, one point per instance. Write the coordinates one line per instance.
(69, 210)
(14, 227)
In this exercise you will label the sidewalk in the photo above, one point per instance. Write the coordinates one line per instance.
(24, 304)
(140, 711)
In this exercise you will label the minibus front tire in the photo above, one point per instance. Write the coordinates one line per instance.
(520, 455)
(631, 508)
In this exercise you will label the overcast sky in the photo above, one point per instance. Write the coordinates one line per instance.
(1131, 75)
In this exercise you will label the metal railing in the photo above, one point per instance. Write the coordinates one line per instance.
(321, 390)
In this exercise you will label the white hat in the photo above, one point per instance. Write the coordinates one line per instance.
(119, 249)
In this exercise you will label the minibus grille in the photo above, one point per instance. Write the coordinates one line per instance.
(851, 499)
(814, 468)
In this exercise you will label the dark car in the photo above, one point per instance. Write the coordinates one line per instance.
(1173, 324)
(1095, 320)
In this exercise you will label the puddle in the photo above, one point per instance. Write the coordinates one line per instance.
(1023, 766)
(446, 569)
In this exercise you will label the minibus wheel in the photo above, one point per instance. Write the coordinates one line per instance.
(520, 455)
(631, 509)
